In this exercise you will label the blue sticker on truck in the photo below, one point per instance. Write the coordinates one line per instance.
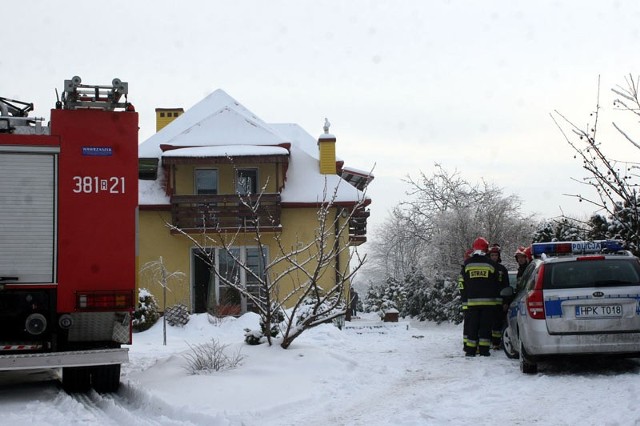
(97, 151)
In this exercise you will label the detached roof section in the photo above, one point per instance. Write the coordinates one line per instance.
(219, 127)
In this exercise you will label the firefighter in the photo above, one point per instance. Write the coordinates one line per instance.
(522, 259)
(503, 278)
(463, 300)
(481, 293)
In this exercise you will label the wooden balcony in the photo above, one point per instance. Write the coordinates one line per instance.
(358, 226)
(210, 213)
(197, 213)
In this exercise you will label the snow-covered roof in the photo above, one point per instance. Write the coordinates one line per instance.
(219, 125)
(225, 151)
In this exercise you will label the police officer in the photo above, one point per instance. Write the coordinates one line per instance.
(481, 294)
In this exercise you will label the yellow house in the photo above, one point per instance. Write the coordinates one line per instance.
(195, 171)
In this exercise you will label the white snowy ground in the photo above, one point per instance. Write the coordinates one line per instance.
(409, 373)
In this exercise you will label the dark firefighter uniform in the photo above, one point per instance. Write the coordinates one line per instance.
(498, 323)
(480, 292)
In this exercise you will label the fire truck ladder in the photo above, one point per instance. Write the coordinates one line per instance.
(15, 113)
(77, 95)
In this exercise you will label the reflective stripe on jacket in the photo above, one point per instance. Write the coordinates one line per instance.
(480, 282)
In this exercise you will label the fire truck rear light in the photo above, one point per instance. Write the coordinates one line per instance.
(105, 301)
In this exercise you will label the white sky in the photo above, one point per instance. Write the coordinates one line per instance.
(405, 84)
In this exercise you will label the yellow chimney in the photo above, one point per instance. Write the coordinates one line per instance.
(165, 116)
(327, 147)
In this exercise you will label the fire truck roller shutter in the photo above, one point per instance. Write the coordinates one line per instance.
(27, 214)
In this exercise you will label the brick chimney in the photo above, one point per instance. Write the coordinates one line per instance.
(327, 147)
(165, 116)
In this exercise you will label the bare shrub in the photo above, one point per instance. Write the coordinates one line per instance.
(211, 356)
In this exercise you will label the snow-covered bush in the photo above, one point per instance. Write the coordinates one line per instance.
(255, 337)
(209, 357)
(437, 301)
(418, 297)
(326, 310)
(382, 298)
(177, 315)
(146, 313)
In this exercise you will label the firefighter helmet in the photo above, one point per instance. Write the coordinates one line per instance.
(527, 252)
(480, 244)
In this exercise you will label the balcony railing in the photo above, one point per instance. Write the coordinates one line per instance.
(225, 212)
(192, 213)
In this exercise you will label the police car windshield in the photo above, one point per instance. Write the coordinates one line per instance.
(592, 273)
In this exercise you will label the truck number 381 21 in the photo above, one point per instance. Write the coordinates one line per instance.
(96, 185)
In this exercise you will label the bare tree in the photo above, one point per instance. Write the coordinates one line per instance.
(395, 248)
(614, 181)
(304, 303)
(435, 194)
(439, 223)
(159, 274)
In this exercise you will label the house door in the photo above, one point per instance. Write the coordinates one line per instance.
(203, 283)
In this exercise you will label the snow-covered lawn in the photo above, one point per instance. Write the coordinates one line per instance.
(370, 373)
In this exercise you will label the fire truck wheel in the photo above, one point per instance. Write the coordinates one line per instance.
(106, 378)
(76, 379)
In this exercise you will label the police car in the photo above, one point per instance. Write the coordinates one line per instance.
(574, 298)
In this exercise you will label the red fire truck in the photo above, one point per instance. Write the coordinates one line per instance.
(68, 235)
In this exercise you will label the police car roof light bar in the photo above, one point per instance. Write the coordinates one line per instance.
(576, 247)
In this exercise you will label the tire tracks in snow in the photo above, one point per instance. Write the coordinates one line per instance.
(134, 406)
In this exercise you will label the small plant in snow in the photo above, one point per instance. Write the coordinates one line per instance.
(214, 320)
(146, 313)
(256, 337)
(209, 357)
(253, 337)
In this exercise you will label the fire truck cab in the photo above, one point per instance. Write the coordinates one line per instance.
(68, 235)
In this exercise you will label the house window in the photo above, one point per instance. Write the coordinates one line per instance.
(233, 272)
(229, 299)
(247, 181)
(215, 293)
(206, 181)
(255, 264)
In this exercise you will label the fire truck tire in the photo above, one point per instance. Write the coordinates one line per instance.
(106, 378)
(76, 379)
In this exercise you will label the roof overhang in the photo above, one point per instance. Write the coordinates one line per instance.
(225, 154)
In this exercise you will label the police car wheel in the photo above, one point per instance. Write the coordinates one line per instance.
(507, 345)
